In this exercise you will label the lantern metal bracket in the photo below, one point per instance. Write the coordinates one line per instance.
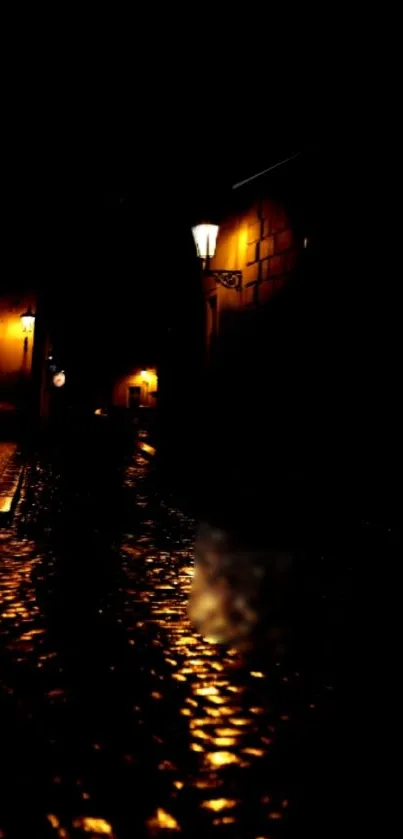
(228, 279)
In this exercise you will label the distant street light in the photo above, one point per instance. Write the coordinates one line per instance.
(205, 238)
(28, 320)
(59, 379)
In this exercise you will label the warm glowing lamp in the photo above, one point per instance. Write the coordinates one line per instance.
(28, 320)
(59, 379)
(205, 236)
(145, 376)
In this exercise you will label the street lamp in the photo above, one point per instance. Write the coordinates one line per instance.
(59, 379)
(28, 320)
(205, 238)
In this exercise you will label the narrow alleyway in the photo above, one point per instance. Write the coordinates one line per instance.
(118, 719)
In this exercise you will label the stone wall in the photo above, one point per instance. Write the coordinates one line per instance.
(263, 394)
(264, 242)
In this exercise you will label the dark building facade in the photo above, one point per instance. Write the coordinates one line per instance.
(275, 413)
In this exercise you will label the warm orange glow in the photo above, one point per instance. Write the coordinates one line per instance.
(212, 639)
(227, 732)
(221, 758)
(161, 820)
(185, 640)
(197, 723)
(215, 712)
(218, 804)
(206, 783)
(90, 825)
(54, 821)
(217, 724)
(207, 691)
(198, 732)
(205, 238)
(146, 380)
(146, 448)
(29, 635)
(6, 502)
(16, 340)
(59, 379)
(224, 741)
(28, 320)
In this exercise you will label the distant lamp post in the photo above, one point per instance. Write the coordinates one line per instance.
(27, 322)
(205, 238)
(59, 379)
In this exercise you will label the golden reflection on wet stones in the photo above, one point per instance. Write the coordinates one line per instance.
(205, 710)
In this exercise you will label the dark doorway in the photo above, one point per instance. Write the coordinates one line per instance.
(134, 397)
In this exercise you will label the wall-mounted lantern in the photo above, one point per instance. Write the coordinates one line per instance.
(205, 238)
(28, 320)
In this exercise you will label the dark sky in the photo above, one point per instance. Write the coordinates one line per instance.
(115, 274)
(118, 272)
(119, 263)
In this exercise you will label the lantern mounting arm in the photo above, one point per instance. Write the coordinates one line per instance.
(227, 278)
(205, 236)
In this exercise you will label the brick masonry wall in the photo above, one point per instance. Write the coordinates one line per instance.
(272, 252)
(262, 242)
(250, 356)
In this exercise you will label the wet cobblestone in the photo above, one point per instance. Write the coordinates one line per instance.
(119, 719)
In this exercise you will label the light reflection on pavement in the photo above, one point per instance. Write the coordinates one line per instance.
(121, 720)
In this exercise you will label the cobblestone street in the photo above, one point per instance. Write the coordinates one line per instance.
(118, 719)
